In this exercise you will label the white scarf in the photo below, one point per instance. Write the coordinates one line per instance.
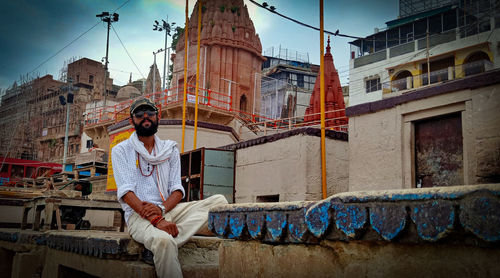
(161, 153)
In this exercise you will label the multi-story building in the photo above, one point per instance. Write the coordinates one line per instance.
(432, 40)
(50, 141)
(287, 83)
(33, 120)
(15, 130)
(89, 74)
(424, 106)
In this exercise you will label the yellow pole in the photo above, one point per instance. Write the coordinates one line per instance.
(322, 101)
(185, 78)
(197, 75)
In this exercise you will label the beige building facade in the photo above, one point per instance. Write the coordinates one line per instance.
(383, 136)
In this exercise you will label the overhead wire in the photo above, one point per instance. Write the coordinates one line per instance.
(128, 54)
(60, 50)
(336, 33)
(48, 59)
(74, 40)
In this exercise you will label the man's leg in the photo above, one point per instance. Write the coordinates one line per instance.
(162, 244)
(191, 216)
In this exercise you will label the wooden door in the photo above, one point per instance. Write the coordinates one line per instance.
(439, 151)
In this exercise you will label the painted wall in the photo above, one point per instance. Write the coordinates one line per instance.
(381, 148)
(290, 167)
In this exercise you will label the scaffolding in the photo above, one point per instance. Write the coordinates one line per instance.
(287, 54)
(411, 7)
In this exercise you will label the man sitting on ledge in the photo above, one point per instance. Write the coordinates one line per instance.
(147, 173)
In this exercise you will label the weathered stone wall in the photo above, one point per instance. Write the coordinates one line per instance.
(290, 168)
(355, 259)
(380, 143)
(436, 232)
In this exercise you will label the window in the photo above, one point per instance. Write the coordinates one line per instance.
(300, 80)
(77, 78)
(373, 85)
(91, 79)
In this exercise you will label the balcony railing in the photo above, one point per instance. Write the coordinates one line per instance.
(438, 76)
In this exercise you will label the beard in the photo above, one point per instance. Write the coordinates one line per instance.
(146, 131)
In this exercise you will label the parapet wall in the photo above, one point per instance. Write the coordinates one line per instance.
(452, 231)
(286, 166)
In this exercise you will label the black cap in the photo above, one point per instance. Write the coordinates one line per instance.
(142, 102)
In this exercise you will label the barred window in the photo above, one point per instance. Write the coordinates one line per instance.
(373, 85)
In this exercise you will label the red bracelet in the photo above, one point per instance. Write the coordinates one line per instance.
(156, 220)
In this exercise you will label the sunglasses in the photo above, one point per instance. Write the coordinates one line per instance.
(140, 114)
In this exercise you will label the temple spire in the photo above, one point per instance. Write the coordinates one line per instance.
(328, 45)
(334, 99)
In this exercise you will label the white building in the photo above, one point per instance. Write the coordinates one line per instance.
(451, 39)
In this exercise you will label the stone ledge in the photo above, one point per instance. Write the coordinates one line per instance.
(107, 254)
(92, 243)
(460, 214)
(101, 244)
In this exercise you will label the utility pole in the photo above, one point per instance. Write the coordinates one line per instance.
(106, 17)
(164, 27)
(68, 100)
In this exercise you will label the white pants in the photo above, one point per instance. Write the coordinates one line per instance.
(189, 217)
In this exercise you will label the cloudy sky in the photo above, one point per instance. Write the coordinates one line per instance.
(36, 36)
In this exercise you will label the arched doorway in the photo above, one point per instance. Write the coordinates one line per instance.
(243, 103)
(476, 63)
(401, 82)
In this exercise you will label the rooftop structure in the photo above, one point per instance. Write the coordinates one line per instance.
(286, 83)
(461, 41)
(88, 73)
(411, 7)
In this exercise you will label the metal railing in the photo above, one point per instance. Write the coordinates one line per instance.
(255, 122)
(438, 76)
(118, 112)
(265, 126)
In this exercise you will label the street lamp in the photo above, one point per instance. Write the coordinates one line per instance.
(108, 18)
(68, 100)
(165, 26)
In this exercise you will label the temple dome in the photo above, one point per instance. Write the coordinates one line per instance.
(127, 92)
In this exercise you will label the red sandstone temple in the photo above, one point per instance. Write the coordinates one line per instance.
(334, 99)
(230, 55)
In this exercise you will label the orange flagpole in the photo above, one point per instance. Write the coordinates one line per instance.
(185, 79)
(322, 101)
(197, 76)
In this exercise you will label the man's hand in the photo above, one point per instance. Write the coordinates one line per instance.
(169, 227)
(148, 210)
